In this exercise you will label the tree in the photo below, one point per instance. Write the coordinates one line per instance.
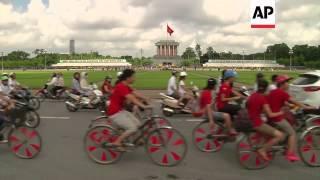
(18, 55)
(189, 53)
(198, 50)
(279, 50)
(210, 52)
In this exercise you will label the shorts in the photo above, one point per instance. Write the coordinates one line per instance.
(126, 120)
(266, 129)
(231, 109)
(286, 127)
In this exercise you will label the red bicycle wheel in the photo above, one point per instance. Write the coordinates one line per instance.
(205, 138)
(24, 142)
(94, 142)
(166, 146)
(246, 151)
(309, 147)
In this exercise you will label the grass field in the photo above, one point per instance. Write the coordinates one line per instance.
(144, 79)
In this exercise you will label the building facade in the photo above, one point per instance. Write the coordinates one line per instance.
(167, 53)
(72, 49)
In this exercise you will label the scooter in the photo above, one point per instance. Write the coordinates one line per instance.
(169, 105)
(75, 102)
(43, 94)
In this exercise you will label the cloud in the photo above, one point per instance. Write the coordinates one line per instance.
(119, 27)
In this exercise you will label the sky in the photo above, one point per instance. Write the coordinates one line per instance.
(123, 27)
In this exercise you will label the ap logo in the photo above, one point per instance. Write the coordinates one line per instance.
(263, 14)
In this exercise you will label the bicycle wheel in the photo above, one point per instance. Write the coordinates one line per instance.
(203, 137)
(95, 141)
(24, 142)
(309, 147)
(32, 119)
(166, 146)
(247, 151)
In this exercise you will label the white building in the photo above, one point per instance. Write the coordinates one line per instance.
(242, 64)
(93, 63)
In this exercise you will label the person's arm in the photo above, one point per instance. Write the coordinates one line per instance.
(225, 99)
(140, 96)
(238, 94)
(132, 98)
(52, 82)
(300, 104)
(270, 114)
(106, 89)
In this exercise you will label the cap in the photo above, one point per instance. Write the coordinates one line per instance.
(4, 78)
(211, 82)
(230, 74)
(260, 75)
(283, 78)
(119, 73)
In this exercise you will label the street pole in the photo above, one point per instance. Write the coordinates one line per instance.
(2, 62)
(45, 62)
(290, 53)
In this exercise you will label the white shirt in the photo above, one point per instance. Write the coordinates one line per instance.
(172, 85)
(181, 88)
(5, 89)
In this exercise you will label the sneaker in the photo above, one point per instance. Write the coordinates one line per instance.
(2, 139)
(292, 157)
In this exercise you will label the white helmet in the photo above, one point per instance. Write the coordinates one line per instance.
(183, 73)
(119, 73)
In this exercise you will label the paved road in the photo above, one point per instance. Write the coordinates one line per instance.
(63, 157)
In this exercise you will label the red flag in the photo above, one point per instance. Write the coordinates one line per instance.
(169, 30)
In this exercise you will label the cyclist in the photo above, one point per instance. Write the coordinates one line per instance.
(106, 87)
(257, 106)
(259, 76)
(116, 110)
(206, 102)
(185, 95)
(273, 84)
(172, 85)
(226, 94)
(278, 99)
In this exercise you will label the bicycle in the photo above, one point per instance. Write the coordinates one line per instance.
(164, 145)
(25, 142)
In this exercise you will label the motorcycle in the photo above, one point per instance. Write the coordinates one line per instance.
(43, 94)
(169, 105)
(25, 96)
(75, 102)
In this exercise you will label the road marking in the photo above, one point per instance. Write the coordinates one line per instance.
(50, 117)
(194, 120)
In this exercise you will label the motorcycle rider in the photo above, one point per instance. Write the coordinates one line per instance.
(86, 89)
(172, 85)
(227, 94)
(257, 106)
(4, 86)
(185, 95)
(6, 104)
(76, 89)
(206, 107)
(52, 82)
(118, 78)
(116, 110)
(259, 76)
(273, 84)
(13, 83)
(58, 84)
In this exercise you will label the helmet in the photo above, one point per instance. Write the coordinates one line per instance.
(262, 85)
(211, 82)
(108, 78)
(4, 78)
(174, 72)
(12, 74)
(230, 74)
(282, 78)
(183, 73)
(119, 73)
(259, 75)
(5, 74)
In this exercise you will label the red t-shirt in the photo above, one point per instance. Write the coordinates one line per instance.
(255, 105)
(277, 99)
(106, 83)
(205, 98)
(226, 90)
(118, 97)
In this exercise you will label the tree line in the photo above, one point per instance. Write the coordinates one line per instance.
(302, 55)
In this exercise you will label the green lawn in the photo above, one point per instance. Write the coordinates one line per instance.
(144, 79)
